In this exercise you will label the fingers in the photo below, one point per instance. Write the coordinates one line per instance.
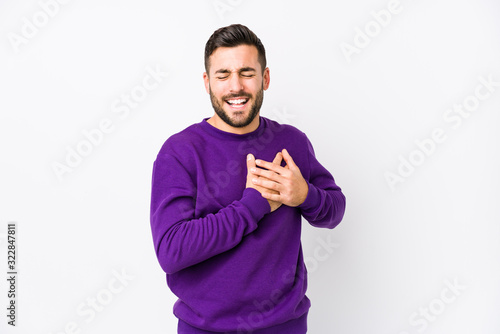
(288, 158)
(262, 179)
(267, 174)
(272, 197)
(275, 165)
(278, 158)
(268, 184)
(270, 166)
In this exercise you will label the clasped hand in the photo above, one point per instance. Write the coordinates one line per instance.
(279, 185)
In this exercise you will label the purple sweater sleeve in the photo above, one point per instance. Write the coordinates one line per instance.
(325, 203)
(180, 239)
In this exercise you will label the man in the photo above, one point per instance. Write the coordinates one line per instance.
(227, 198)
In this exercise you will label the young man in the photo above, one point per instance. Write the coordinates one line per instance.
(227, 198)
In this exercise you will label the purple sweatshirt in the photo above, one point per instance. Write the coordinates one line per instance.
(234, 265)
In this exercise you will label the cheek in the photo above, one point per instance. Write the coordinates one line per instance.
(254, 87)
(217, 89)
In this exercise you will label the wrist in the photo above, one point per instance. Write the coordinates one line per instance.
(301, 198)
(309, 198)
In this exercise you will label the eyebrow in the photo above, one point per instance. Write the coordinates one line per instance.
(243, 69)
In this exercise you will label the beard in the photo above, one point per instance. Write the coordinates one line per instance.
(254, 110)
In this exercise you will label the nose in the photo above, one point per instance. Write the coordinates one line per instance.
(235, 83)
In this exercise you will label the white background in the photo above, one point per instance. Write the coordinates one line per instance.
(396, 248)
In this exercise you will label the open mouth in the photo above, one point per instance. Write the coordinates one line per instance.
(237, 103)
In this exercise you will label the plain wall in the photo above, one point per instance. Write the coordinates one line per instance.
(397, 107)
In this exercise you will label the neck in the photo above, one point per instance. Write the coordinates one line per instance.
(218, 123)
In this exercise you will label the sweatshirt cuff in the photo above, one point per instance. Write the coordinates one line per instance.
(312, 199)
(257, 205)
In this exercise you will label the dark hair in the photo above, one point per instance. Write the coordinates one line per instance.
(231, 36)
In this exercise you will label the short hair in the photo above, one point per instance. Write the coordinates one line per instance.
(232, 36)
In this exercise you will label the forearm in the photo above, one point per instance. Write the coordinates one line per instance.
(324, 207)
(325, 203)
(181, 242)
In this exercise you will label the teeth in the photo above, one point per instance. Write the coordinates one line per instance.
(239, 101)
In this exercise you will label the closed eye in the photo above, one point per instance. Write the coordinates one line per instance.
(246, 72)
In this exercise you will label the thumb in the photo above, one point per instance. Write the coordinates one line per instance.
(250, 162)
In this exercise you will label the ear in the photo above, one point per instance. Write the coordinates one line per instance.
(207, 83)
(266, 78)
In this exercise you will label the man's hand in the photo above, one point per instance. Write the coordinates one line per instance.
(285, 185)
(251, 164)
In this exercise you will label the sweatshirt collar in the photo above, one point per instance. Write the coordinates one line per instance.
(212, 130)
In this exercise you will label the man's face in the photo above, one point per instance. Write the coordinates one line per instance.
(236, 84)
